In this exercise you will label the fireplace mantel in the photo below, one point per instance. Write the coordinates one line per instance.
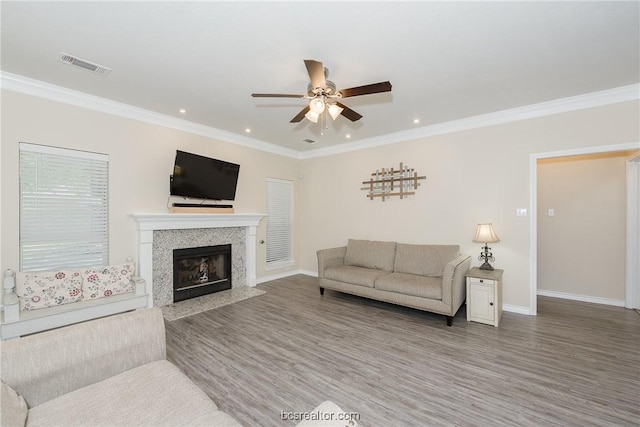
(158, 221)
(150, 222)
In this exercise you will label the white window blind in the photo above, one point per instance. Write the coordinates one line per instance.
(63, 208)
(279, 215)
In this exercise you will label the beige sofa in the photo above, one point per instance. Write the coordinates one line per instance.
(106, 372)
(425, 277)
(111, 372)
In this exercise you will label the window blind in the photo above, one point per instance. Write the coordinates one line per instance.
(63, 208)
(279, 214)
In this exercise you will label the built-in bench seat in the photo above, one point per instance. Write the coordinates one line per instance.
(19, 317)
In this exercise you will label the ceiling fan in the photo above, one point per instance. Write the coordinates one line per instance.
(324, 97)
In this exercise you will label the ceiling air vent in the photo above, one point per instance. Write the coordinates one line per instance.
(307, 140)
(85, 65)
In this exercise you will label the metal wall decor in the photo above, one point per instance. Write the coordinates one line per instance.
(385, 183)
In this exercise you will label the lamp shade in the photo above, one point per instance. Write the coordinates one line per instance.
(313, 116)
(316, 105)
(485, 234)
(335, 110)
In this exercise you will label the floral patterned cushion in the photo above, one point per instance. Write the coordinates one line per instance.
(102, 282)
(40, 290)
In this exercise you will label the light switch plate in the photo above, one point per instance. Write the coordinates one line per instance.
(521, 212)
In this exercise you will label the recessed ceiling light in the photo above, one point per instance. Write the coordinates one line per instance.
(348, 136)
(247, 130)
(182, 111)
(416, 121)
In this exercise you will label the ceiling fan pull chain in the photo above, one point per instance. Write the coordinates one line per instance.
(326, 122)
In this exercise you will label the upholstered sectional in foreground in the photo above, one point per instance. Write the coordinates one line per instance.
(110, 372)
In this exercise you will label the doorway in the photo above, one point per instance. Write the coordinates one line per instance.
(632, 290)
(631, 277)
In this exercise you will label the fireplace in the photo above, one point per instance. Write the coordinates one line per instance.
(201, 271)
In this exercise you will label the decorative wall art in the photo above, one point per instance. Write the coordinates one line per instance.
(389, 182)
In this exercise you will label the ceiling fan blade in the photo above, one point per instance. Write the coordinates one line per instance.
(276, 95)
(300, 115)
(316, 73)
(366, 89)
(349, 113)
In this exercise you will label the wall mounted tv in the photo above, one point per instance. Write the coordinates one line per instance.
(200, 177)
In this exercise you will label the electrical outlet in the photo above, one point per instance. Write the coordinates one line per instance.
(521, 212)
(551, 212)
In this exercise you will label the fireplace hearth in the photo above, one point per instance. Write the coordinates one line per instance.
(201, 271)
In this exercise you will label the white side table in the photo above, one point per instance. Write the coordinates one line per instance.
(484, 296)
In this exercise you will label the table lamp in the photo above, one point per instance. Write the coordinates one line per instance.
(486, 235)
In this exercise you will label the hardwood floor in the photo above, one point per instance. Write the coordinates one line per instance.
(575, 364)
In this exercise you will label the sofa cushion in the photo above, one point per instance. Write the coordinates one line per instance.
(100, 282)
(13, 407)
(425, 260)
(370, 254)
(46, 289)
(354, 275)
(44, 366)
(411, 284)
(155, 394)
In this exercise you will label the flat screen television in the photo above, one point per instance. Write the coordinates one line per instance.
(200, 177)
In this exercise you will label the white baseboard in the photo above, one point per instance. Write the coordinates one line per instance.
(505, 307)
(516, 309)
(583, 298)
(284, 274)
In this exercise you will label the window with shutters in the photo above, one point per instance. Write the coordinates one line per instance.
(63, 208)
(279, 222)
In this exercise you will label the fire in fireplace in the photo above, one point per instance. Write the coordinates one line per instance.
(200, 271)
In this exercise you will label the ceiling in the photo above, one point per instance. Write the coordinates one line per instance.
(446, 60)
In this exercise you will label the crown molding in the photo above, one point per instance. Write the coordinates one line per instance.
(41, 89)
(563, 105)
(17, 83)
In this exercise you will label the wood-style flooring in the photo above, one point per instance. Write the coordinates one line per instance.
(575, 364)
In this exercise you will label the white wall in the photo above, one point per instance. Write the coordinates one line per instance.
(141, 160)
(581, 248)
(480, 175)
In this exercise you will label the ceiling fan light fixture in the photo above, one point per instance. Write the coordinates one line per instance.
(322, 96)
(334, 111)
(312, 116)
(316, 105)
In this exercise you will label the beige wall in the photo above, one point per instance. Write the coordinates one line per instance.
(581, 249)
(141, 160)
(472, 176)
(480, 175)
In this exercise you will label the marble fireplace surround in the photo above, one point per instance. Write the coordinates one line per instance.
(159, 234)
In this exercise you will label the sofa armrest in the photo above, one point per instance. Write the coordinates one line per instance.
(453, 282)
(330, 258)
(43, 366)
